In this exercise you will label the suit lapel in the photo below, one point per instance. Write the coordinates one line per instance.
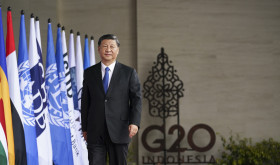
(98, 74)
(114, 77)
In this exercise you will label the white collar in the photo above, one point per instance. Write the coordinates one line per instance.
(111, 67)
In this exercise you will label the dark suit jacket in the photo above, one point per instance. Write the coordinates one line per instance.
(115, 110)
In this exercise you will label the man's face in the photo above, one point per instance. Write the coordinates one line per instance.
(108, 51)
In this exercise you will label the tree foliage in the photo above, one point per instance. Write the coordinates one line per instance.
(242, 151)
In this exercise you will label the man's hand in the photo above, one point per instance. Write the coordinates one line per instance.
(133, 129)
(85, 135)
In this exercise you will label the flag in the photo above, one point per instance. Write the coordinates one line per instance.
(79, 69)
(72, 65)
(54, 105)
(39, 100)
(26, 97)
(64, 103)
(79, 79)
(7, 152)
(92, 52)
(86, 54)
(76, 149)
(38, 40)
(11, 58)
(77, 114)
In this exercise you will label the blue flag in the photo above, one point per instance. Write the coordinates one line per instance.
(54, 105)
(86, 54)
(26, 97)
(64, 102)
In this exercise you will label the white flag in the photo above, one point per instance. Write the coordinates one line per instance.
(39, 100)
(92, 52)
(79, 69)
(76, 146)
(79, 78)
(77, 114)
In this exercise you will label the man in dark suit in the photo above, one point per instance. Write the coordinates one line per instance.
(111, 105)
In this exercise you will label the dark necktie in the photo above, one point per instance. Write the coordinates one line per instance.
(106, 79)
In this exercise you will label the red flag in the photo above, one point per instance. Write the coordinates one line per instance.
(16, 107)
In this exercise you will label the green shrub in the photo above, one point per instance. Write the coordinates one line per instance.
(237, 151)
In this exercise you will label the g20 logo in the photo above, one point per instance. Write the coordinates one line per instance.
(181, 134)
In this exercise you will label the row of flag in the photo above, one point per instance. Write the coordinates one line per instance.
(40, 108)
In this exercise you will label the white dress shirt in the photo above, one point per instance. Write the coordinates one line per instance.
(111, 67)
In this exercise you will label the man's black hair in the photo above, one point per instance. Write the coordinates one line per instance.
(108, 37)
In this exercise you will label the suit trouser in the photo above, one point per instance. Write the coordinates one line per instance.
(97, 152)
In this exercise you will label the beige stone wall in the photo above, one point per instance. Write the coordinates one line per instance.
(102, 17)
(227, 53)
